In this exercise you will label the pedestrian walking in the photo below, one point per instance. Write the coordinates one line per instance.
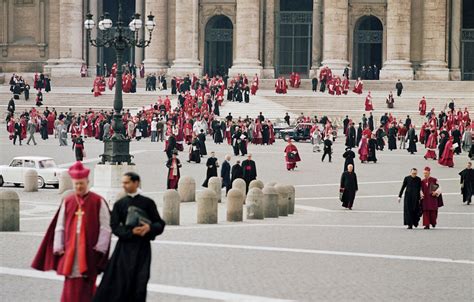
(411, 202)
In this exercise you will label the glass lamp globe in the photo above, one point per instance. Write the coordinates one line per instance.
(101, 25)
(107, 23)
(150, 23)
(131, 26)
(89, 24)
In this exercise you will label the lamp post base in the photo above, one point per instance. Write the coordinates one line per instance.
(108, 180)
(116, 151)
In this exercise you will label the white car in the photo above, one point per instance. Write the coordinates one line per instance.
(48, 172)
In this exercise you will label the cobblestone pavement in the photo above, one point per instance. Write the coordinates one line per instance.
(321, 253)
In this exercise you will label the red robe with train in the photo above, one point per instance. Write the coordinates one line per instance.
(358, 87)
(422, 107)
(447, 158)
(368, 104)
(431, 146)
(91, 263)
(363, 149)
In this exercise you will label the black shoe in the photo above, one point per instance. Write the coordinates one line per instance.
(427, 227)
(434, 225)
(409, 227)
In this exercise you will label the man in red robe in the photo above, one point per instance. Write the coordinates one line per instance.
(422, 106)
(76, 244)
(430, 198)
(447, 158)
(345, 85)
(368, 103)
(291, 156)
(358, 86)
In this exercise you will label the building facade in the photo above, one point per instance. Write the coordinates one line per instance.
(406, 39)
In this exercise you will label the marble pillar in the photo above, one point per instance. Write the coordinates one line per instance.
(186, 52)
(247, 39)
(433, 64)
(316, 39)
(156, 54)
(139, 9)
(269, 46)
(455, 45)
(71, 26)
(93, 59)
(335, 35)
(398, 64)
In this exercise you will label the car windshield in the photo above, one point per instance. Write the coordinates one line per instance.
(47, 163)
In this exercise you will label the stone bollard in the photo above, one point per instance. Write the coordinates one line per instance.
(65, 182)
(30, 180)
(9, 211)
(187, 189)
(235, 205)
(171, 203)
(254, 203)
(283, 194)
(206, 207)
(291, 199)
(215, 184)
(270, 202)
(271, 184)
(240, 184)
(256, 183)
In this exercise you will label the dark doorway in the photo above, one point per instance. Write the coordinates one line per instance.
(293, 27)
(107, 55)
(218, 46)
(467, 41)
(367, 50)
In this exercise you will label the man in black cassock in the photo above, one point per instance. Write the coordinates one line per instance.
(171, 146)
(392, 138)
(412, 140)
(202, 143)
(457, 139)
(212, 166)
(411, 202)
(194, 152)
(128, 271)
(314, 84)
(225, 174)
(236, 172)
(249, 170)
(349, 156)
(399, 87)
(265, 134)
(351, 136)
(371, 122)
(467, 183)
(348, 187)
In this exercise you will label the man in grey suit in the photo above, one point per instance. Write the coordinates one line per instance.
(31, 128)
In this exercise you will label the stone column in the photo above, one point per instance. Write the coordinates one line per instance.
(247, 39)
(317, 39)
(269, 46)
(335, 35)
(156, 54)
(456, 15)
(398, 64)
(71, 26)
(433, 64)
(186, 53)
(139, 9)
(94, 10)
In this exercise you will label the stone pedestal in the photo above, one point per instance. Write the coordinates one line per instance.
(270, 202)
(215, 184)
(316, 41)
(206, 207)
(65, 182)
(234, 205)
(9, 211)
(397, 69)
(283, 199)
(187, 189)
(254, 202)
(269, 41)
(239, 184)
(30, 181)
(171, 203)
(256, 183)
(247, 39)
(108, 180)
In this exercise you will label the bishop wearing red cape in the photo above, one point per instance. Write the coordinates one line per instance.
(291, 156)
(76, 244)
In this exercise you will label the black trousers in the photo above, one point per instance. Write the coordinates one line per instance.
(324, 155)
(19, 138)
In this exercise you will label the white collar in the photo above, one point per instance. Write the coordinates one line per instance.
(134, 194)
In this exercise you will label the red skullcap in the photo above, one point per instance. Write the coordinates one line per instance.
(78, 171)
(427, 169)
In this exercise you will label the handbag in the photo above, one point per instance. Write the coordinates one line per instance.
(291, 155)
(136, 217)
(434, 187)
(341, 194)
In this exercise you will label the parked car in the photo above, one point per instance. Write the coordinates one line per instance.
(300, 132)
(278, 127)
(48, 172)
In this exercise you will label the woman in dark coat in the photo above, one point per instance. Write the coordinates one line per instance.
(348, 187)
(411, 201)
(173, 164)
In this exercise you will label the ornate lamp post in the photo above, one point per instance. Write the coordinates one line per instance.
(118, 37)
